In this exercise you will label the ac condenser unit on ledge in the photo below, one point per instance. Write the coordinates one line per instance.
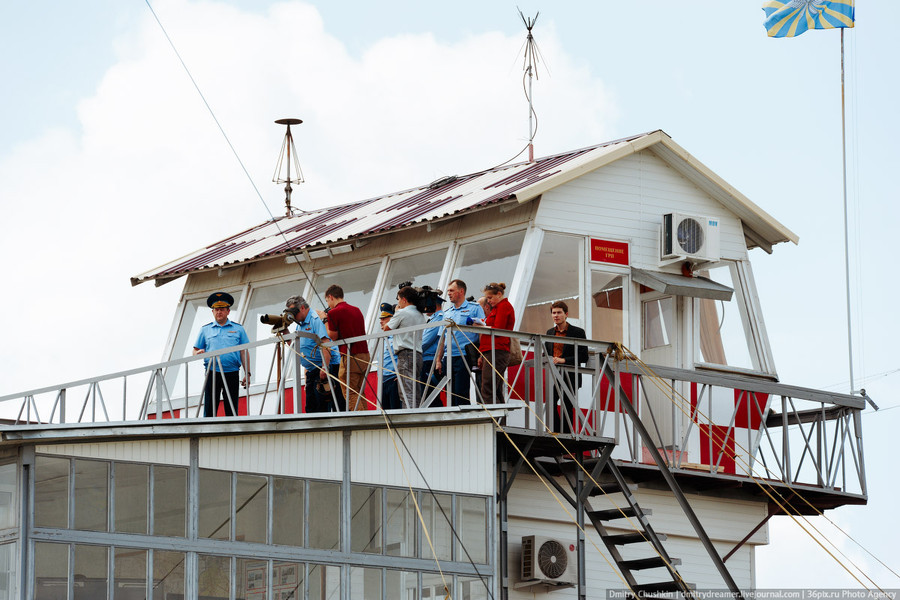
(547, 561)
(689, 237)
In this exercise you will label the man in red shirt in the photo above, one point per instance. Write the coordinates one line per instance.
(345, 321)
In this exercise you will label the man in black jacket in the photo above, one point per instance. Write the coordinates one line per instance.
(564, 354)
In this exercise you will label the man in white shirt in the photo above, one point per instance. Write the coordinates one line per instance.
(407, 345)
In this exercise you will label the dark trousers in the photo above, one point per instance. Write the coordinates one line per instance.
(493, 377)
(461, 381)
(390, 395)
(432, 379)
(214, 392)
(561, 421)
(323, 402)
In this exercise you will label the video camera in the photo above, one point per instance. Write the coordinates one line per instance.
(426, 296)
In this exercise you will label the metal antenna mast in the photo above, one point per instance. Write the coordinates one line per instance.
(286, 158)
(532, 57)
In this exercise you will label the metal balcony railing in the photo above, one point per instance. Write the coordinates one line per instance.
(722, 424)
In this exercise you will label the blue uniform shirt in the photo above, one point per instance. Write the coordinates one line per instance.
(311, 355)
(388, 360)
(464, 315)
(216, 337)
(431, 336)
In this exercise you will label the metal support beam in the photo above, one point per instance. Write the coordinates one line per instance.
(504, 485)
(771, 514)
(579, 514)
(672, 483)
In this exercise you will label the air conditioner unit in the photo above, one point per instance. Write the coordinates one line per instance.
(689, 237)
(547, 561)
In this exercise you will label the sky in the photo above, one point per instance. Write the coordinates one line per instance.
(111, 164)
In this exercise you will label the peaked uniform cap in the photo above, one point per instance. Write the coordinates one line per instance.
(220, 300)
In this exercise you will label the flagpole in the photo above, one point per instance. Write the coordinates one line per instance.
(846, 228)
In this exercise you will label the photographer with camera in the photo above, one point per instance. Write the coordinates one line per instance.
(408, 345)
(318, 382)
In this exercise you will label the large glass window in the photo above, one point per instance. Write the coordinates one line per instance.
(400, 526)
(8, 578)
(169, 500)
(168, 574)
(51, 492)
(723, 339)
(287, 509)
(288, 580)
(130, 574)
(401, 584)
(555, 278)
(51, 571)
(365, 519)
(251, 581)
(437, 512)
(492, 260)
(214, 510)
(436, 585)
(91, 572)
(251, 506)
(473, 588)
(8, 495)
(357, 284)
(365, 583)
(91, 494)
(132, 492)
(214, 576)
(266, 300)
(324, 515)
(608, 304)
(324, 581)
(419, 269)
(658, 322)
(471, 524)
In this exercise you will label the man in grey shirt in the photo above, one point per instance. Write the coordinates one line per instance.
(407, 345)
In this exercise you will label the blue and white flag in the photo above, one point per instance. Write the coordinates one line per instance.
(790, 18)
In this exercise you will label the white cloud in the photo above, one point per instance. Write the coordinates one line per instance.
(149, 177)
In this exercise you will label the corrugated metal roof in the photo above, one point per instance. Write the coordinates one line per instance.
(522, 181)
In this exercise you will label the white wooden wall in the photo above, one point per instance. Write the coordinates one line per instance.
(624, 201)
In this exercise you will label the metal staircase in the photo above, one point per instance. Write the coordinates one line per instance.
(614, 483)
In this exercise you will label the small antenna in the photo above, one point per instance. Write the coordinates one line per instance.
(286, 158)
(532, 57)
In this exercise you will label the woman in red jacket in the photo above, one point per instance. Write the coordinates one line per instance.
(495, 358)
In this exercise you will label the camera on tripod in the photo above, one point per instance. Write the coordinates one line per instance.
(280, 323)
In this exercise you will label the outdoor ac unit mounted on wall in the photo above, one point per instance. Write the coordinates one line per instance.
(689, 237)
(547, 561)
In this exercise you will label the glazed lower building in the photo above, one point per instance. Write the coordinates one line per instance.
(316, 510)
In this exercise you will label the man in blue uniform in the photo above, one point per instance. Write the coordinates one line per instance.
(430, 338)
(465, 313)
(318, 383)
(390, 393)
(222, 375)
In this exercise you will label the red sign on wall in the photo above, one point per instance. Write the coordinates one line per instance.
(605, 251)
